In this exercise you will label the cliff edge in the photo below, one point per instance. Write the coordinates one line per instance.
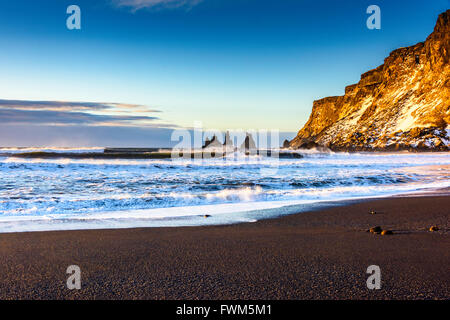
(403, 104)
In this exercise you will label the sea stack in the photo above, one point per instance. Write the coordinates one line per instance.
(228, 142)
(213, 143)
(248, 144)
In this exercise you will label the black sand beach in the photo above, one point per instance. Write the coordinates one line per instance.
(313, 255)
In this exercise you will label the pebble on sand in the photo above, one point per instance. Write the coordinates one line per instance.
(375, 230)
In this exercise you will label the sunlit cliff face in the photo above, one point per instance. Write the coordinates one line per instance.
(403, 104)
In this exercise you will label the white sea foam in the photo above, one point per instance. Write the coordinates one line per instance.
(50, 149)
(63, 194)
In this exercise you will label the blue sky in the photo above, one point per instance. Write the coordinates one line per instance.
(161, 64)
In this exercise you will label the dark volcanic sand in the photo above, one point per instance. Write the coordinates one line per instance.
(314, 255)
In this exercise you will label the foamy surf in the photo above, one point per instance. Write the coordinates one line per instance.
(69, 194)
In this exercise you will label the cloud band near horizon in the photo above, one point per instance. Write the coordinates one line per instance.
(67, 113)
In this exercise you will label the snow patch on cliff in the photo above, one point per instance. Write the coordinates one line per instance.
(406, 120)
(357, 115)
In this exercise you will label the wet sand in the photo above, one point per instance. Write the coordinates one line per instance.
(312, 255)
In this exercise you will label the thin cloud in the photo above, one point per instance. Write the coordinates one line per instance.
(136, 5)
(67, 118)
(70, 106)
(57, 113)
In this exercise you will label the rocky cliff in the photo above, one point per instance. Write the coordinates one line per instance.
(403, 104)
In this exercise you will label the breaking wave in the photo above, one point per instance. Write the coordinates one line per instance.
(64, 193)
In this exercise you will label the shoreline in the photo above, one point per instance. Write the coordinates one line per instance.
(319, 254)
(203, 212)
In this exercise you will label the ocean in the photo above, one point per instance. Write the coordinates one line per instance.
(38, 194)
